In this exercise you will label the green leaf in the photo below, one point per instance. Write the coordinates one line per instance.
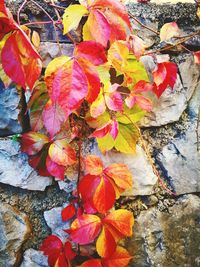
(72, 17)
(130, 115)
(127, 138)
(105, 143)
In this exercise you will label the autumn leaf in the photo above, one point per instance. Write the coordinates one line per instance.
(19, 58)
(93, 165)
(32, 142)
(68, 212)
(120, 258)
(137, 46)
(168, 31)
(197, 57)
(164, 75)
(91, 51)
(62, 153)
(100, 187)
(72, 17)
(85, 229)
(58, 254)
(140, 100)
(55, 169)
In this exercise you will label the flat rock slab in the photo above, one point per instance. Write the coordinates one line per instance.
(34, 258)
(180, 160)
(144, 179)
(10, 109)
(14, 230)
(167, 239)
(54, 221)
(170, 106)
(15, 170)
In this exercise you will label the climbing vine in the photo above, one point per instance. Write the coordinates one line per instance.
(100, 92)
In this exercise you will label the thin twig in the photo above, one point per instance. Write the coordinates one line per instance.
(53, 22)
(150, 158)
(56, 6)
(19, 10)
(143, 25)
(40, 22)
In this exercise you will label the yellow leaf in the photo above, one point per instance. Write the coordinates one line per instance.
(5, 79)
(53, 65)
(127, 138)
(35, 39)
(105, 143)
(86, 33)
(169, 30)
(72, 17)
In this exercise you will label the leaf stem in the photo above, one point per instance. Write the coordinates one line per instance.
(150, 158)
(48, 15)
(19, 10)
(143, 25)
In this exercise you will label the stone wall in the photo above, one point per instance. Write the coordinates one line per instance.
(167, 227)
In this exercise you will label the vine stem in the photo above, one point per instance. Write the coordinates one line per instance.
(143, 25)
(150, 158)
(53, 22)
(19, 10)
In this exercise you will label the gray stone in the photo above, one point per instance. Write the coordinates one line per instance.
(54, 221)
(167, 239)
(15, 170)
(10, 108)
(14, 230)
(34, 258)
(144, 179)
(48, 51)
(179, 160)
(170, 106)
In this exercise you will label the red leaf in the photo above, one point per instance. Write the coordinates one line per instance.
(69, 253)
(92, 51)
(68, 212)
(53, 118)
(114, 129)
(19, 59)
(114, 101)
(197, 57)
(54, 169)
(91, 263)
(103, 131)
(32, 142)
(99, 27)
(93, 80)
(38, 162)
(164, 75)
(142, 86)
(85, 229)
(52, 247)
(62, 261)
(142, 101)
(66, 83)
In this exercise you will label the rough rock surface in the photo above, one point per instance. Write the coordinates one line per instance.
(144, 180)
(34, 258)
(14, 230)
(179, 160)
(168, 239)
(15, 170)
(54, 221)
(9, 111)
(172, 103)
(49, 51)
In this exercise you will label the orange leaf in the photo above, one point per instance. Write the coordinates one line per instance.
(120, 258)
(93, 165)
(85, 229)
(105, 244)
(62, 153)
(91, 263)
(121, 220)
(120, 174)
